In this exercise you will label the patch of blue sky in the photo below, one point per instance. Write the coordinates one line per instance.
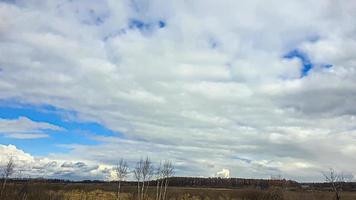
(76, 132)
(304, 58)
(307, 63)
(161, 24)
(145, 26)
(136, 24)
(45, 146)
(326, 66)
(140, 8)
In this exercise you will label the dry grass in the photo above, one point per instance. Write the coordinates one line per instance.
(213, 194)
(104, 192)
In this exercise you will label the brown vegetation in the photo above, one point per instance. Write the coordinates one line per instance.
(108, 191)
(6, 174)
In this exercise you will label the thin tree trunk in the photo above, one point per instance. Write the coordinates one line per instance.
(142, 190)
(157, 189)
(3, 188)
(337, 196)
(138, 190)
(160, 191)
(336, 191)
(118, 190)
(146, 190)
(165, 189)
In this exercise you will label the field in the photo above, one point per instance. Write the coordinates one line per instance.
(107, 191)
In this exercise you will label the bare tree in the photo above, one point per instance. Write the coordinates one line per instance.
(336, 181)
(8, 170)
(121, 174)
(147, 173)
(143, 173)
(167, 172)
(138, 176)
(159, 177)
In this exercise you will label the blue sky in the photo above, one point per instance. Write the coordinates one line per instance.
(306, 63)
(74, 132)
(246, 89)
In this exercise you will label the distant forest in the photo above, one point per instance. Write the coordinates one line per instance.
(214, 182)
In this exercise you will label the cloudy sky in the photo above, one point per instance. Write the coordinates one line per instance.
(241, 88)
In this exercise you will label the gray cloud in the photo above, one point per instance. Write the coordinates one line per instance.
(24, 128)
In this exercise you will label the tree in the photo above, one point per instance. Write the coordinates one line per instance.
(138, 176)
(336, 181)
(121, 174)
(167, 172)
(147, 173)
(8, 170)
(143, 172)
(159, 181)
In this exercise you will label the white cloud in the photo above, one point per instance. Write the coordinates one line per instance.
(27, 165)
(24, 128)
(224, 173)
(11, 151)
(172, 86)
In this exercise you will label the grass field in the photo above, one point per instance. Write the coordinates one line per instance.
(107, 192)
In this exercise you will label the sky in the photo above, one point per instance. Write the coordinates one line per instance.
(251, 89)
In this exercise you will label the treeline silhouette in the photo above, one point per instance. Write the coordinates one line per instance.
(217, 182)
(345, 186)
(213, 182)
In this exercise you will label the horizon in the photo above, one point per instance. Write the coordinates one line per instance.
(231, 89)
(155, 179)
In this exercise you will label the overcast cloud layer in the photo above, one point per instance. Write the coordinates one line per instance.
(206, 84)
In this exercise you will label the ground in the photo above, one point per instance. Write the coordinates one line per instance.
(91, 191)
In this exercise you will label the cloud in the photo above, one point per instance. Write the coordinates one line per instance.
(24, 128)
(224, 173)
(170, 92)
(11, 151)
(27, 165)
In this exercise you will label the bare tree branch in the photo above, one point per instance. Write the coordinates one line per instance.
(336, 181)
(138, 176)
(167, 171)
(147, 173)
(8, 170)
(121, 174)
